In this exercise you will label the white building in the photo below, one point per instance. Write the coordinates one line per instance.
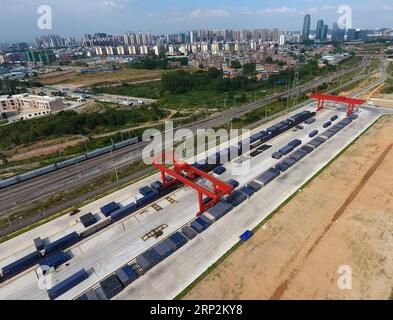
(24, 106)
(120, 50)
(281, 40)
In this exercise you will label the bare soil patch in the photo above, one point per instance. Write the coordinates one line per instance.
(343, 217)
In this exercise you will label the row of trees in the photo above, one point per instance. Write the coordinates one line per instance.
(71, 122)
(153, 62)
(180, 82)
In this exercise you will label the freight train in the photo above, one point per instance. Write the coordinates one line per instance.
(66, 163)
(148, 194)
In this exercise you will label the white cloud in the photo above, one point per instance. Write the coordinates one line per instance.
(210, 13)
(217, 13)
(277, 10)
(196, 13)
(112, 4)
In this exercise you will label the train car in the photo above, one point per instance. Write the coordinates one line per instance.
(9, 182)
(125, 143)
(37, 173)
(70, 162)
(99, 152)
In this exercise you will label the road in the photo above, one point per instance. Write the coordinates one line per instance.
(20, 195)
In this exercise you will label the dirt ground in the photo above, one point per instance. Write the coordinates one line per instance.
(344, 217)
(74, 79)
(383, 100)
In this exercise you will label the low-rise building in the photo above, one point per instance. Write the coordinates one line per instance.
(24, 106)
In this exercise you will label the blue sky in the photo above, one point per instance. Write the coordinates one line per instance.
(18, 20)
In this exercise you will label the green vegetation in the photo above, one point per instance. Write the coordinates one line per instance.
(11, 87)
(153, 62)
(388, 88)
(209, 90)
(72, 123)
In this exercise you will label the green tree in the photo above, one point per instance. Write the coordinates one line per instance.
(249, 69)
(236, 64)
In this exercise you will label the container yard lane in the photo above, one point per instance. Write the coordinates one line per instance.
(104, 252)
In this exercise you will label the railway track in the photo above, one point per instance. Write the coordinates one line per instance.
(15, 197)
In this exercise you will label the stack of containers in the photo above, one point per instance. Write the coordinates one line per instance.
(67, 284)
(268, 176)
(62, 243)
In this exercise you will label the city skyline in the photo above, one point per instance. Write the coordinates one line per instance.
(161, 17)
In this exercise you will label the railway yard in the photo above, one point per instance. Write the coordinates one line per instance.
(140, 222)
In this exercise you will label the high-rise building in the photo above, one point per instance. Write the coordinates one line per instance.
(318, 34)
(338, 34)
(281, 41)
(325, 30)
(44, 56)
(306, 28)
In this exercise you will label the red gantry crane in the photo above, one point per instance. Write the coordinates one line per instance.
(187, 174)
(351, 102)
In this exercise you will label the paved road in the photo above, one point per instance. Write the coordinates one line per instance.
(17, 196)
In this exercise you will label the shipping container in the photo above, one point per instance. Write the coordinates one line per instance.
(236, 198)
(233, 183)
(219, 210)
(62, 243)
(206, 219)
(126, 275)
(164, 250)
(109, 208)
(309, 121)
(219, 170)
(111, 286)
(39, 244)
(89, 295)
(196, 226)
(255, 153)
(277, 155)
(21, 264)
(247, 191)
(313, 133)
(145, 200)
(285, 150)
(281, 167)
(246, 235)
(123, 212)
(334, 118)
(67, 284)
(170, 244)
(189, 232)
(268, 176)
(254, 186)
(157, 186)
(95, 228)
(88, 220)
(327, 124)
(289, 161)
(54, 260)
(178, 239)
(295, 143)
(144, 191)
